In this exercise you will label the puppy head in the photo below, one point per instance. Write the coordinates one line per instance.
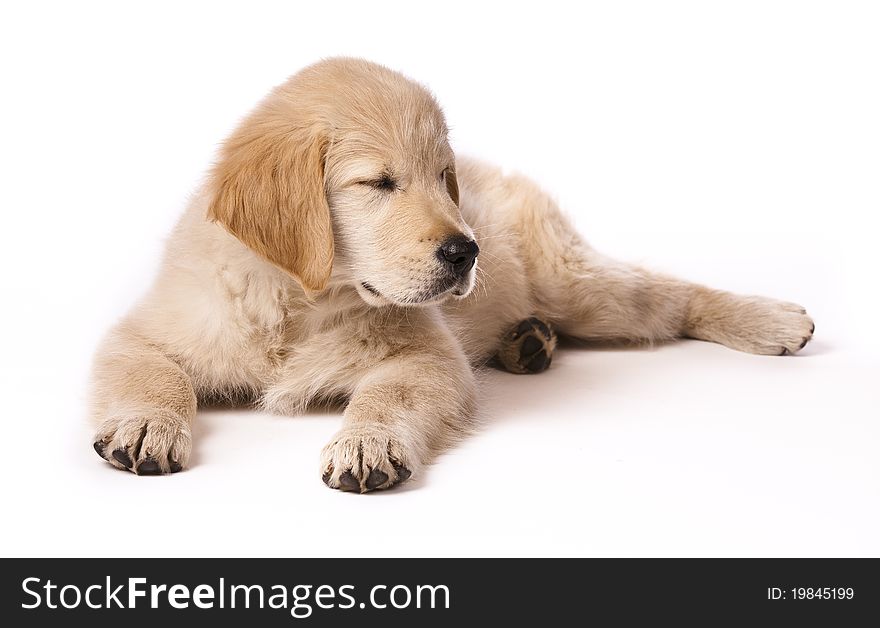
(346, 170)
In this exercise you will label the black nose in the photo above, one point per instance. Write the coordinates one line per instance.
(459, 253)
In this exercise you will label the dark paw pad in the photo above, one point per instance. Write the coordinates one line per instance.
(347, 482)
(528, 348)
(376, 479)
(403, 474)
(540, 361)
(148, 466)
(121, 456)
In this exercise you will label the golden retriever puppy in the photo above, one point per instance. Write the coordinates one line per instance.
(332, 255)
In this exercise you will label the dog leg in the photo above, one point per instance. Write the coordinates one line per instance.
(401, 414)
(586, 295)
(595, 298)
(143, 404)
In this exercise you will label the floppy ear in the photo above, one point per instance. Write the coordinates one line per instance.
(269, 193)
(452, 185)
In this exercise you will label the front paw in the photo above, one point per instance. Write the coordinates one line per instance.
(148, 443)
(365, 458)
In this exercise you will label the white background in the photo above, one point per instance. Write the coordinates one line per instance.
(736, 144)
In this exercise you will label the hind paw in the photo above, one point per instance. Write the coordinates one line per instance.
(528, 347)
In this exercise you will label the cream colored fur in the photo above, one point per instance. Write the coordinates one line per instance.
(261, 296)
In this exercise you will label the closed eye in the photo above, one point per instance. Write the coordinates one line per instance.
(385, 183)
